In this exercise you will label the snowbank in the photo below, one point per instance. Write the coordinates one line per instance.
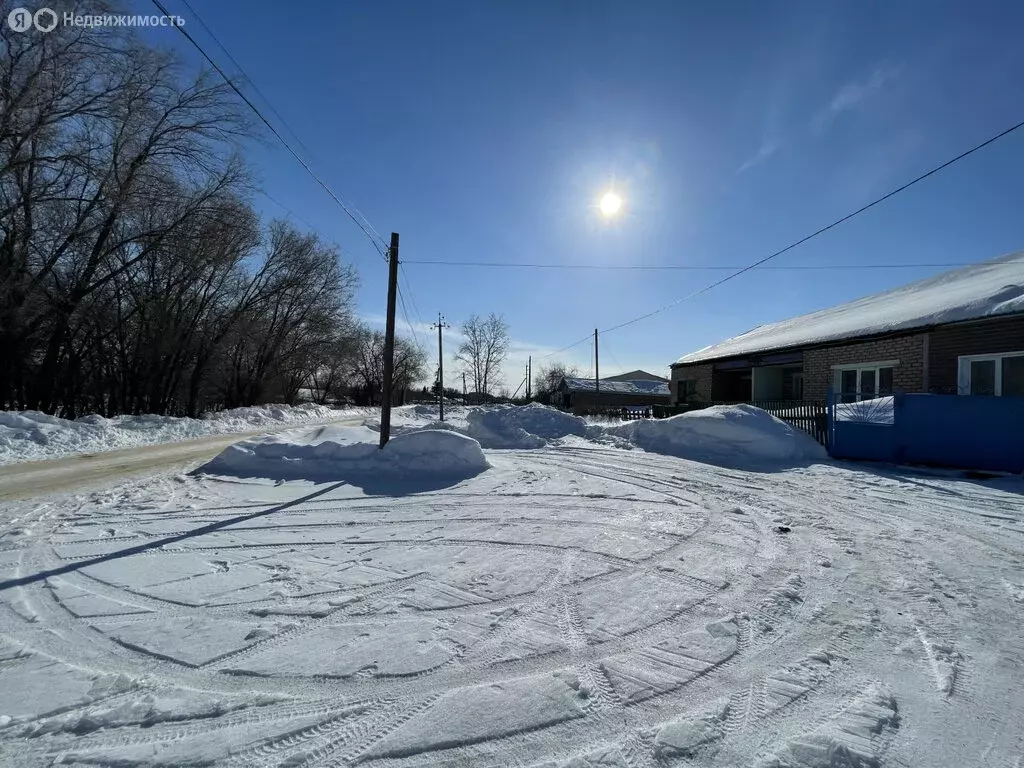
(32, 436)
(723, 434)
(335, 453)
(529, 426)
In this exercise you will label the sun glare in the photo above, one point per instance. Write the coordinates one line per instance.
(610, 204)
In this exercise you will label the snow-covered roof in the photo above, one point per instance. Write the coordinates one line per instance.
(634, 375)
(635, 387)
(991, 288)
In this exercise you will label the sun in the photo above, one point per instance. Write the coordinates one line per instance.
(610, 204)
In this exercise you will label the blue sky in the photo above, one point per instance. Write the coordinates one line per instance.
(486, 131)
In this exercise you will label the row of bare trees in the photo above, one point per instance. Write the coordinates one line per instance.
(135, 275)
(482, 353)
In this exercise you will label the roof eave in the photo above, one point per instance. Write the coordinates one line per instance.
(846, 339)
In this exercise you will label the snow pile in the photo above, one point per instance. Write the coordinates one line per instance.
(529, 426)
(722, 434)
(988, 289)
(32, 435)
(334, 453)
(876, 411)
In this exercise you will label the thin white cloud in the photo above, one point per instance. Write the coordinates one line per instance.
(766, 150)
(849, 97)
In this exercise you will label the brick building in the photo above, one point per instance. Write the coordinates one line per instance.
(961, 332)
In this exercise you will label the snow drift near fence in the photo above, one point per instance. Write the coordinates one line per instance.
(732, 435)
(33, 436)
(495, 426)
(725, 434)
(351, 454)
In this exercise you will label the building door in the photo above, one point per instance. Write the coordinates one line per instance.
(798, 386)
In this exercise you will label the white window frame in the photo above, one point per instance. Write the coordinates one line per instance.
(963, 376)
(837, 375)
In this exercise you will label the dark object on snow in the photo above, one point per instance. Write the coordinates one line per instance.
(973, 474)
(782, 529)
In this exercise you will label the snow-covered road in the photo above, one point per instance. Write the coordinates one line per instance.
(84, 471)
(572, 606)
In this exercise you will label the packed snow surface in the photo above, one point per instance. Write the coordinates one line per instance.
(576, 605)
(33, 436)
(988, 289)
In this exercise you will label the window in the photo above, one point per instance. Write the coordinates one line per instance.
(992, 375)
(864, 381)
(687, 388)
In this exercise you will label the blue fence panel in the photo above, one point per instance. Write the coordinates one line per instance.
(864, 442)
(946, 430)
(972, 432)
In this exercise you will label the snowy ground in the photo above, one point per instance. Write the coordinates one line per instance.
(35, 436)
(576, 604)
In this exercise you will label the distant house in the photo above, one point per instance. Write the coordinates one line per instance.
(578, 395)
(637, 375)
(961, 332)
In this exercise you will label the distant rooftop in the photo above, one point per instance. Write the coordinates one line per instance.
(635, 387)
(982, 290)
(634, 375)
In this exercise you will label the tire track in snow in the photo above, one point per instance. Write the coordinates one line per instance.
(738, 669)
(367, 735)
(307, 625)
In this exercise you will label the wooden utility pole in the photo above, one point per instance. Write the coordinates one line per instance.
(463, 387)
(440, 364)
(597, 373)
(529, 377)
(389, 343)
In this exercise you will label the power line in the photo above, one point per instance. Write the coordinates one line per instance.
(588, 337)
(683, 267)
(293, 214)
(380, 247)
(824, 229)
(607, 350)
(802, 240)
(412, 298)
(252, 84)
(405, 314)
(245, 75)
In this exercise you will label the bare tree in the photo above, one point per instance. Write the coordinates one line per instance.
(484, 350)
(546, 381)
(410, 363)
(134, 273)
